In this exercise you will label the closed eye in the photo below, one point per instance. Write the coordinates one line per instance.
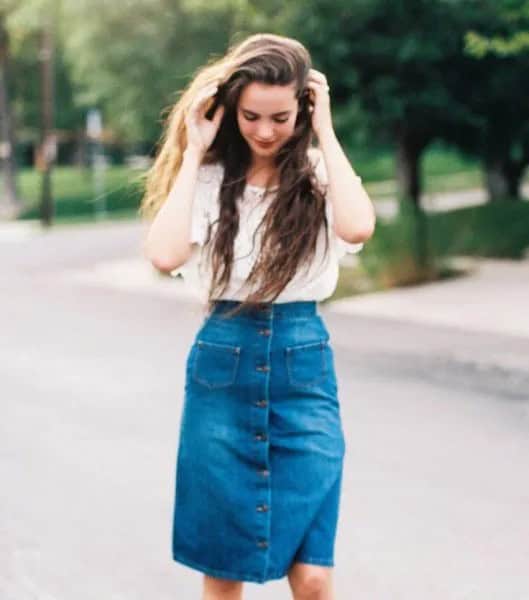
(276, 120)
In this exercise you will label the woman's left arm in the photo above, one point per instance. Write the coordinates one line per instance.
(353, 211)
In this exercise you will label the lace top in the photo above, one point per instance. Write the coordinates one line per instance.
(316, 283)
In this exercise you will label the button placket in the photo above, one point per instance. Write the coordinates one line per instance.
(263, 365)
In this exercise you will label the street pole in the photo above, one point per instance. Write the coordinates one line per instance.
(47, 150)
(94, 132)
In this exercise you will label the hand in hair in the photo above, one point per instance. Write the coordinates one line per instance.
(321, 104)
(200, 130)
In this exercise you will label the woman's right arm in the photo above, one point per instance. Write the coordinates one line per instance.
(167, 243)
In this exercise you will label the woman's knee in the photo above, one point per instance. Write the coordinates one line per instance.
(310, 581)
(221, 589)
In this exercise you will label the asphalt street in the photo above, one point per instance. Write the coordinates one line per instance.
(435, 500)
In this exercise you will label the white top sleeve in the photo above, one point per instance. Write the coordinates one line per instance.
(341, 246)
(205, 203)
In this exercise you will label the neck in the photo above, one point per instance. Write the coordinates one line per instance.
(261, 167)
(262, 164)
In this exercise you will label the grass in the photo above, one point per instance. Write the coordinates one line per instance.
(443, 170)
(377, 165)
(391, 257)
(74, 196)
(494, 230)
(73, 188)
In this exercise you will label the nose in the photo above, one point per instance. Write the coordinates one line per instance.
(265, 133)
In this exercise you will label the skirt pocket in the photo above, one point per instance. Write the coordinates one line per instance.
(215, 365)
(307, 364)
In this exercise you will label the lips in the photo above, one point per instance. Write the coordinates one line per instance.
(264, 144)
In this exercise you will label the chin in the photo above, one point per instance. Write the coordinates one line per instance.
(266, 151)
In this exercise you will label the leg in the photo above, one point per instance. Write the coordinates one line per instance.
(221, 589)
(310, 582)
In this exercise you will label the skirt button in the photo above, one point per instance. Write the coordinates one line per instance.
(261, 437)
(262, 507)
(264, 472)
(262, 543)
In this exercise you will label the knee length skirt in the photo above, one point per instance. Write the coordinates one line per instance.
(261, 444)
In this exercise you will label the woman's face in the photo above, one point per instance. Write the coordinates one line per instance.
(266, 115)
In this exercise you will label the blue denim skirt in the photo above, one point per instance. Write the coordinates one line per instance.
(261, 444)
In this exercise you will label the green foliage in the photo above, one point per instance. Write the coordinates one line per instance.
(69, 113)
(74, 191)
(134, 62)
(512, 20)
(129, 59)
(496, 229)
(480, 46)
(393, 58)
(389, 259)
(393, 256)
(377, 163)
(401, 71)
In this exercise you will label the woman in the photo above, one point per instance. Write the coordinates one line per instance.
(257, 219)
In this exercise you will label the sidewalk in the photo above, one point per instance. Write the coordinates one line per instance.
(493, 297)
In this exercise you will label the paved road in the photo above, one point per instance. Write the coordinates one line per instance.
(436, 493)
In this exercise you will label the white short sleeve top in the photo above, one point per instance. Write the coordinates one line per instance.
(316, 282)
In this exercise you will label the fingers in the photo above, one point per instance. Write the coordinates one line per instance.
(318, 88)
(203, 95)
(317, 78)
(217, 117)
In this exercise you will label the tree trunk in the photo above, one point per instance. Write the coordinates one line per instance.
(407, 164)
(409, 148)
(514, 172)
(495, 180)
(503, 178)
(47, 148)
(10, 205)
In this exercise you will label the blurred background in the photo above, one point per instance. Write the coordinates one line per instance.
(430, 323)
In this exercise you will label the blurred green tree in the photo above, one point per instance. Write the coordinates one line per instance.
(10, 204)
(394, 60)
(497, 96)
(405, 69)
(132, 59)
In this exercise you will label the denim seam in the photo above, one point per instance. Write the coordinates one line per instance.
(315, 561)
(221, 573)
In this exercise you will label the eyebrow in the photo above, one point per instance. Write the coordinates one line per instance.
(284, 112)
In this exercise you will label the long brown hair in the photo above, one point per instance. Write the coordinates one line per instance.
(293, 220)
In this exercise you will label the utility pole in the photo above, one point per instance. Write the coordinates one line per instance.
(9, 202)
(48, 148)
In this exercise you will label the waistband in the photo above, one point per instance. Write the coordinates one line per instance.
(265, 310)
